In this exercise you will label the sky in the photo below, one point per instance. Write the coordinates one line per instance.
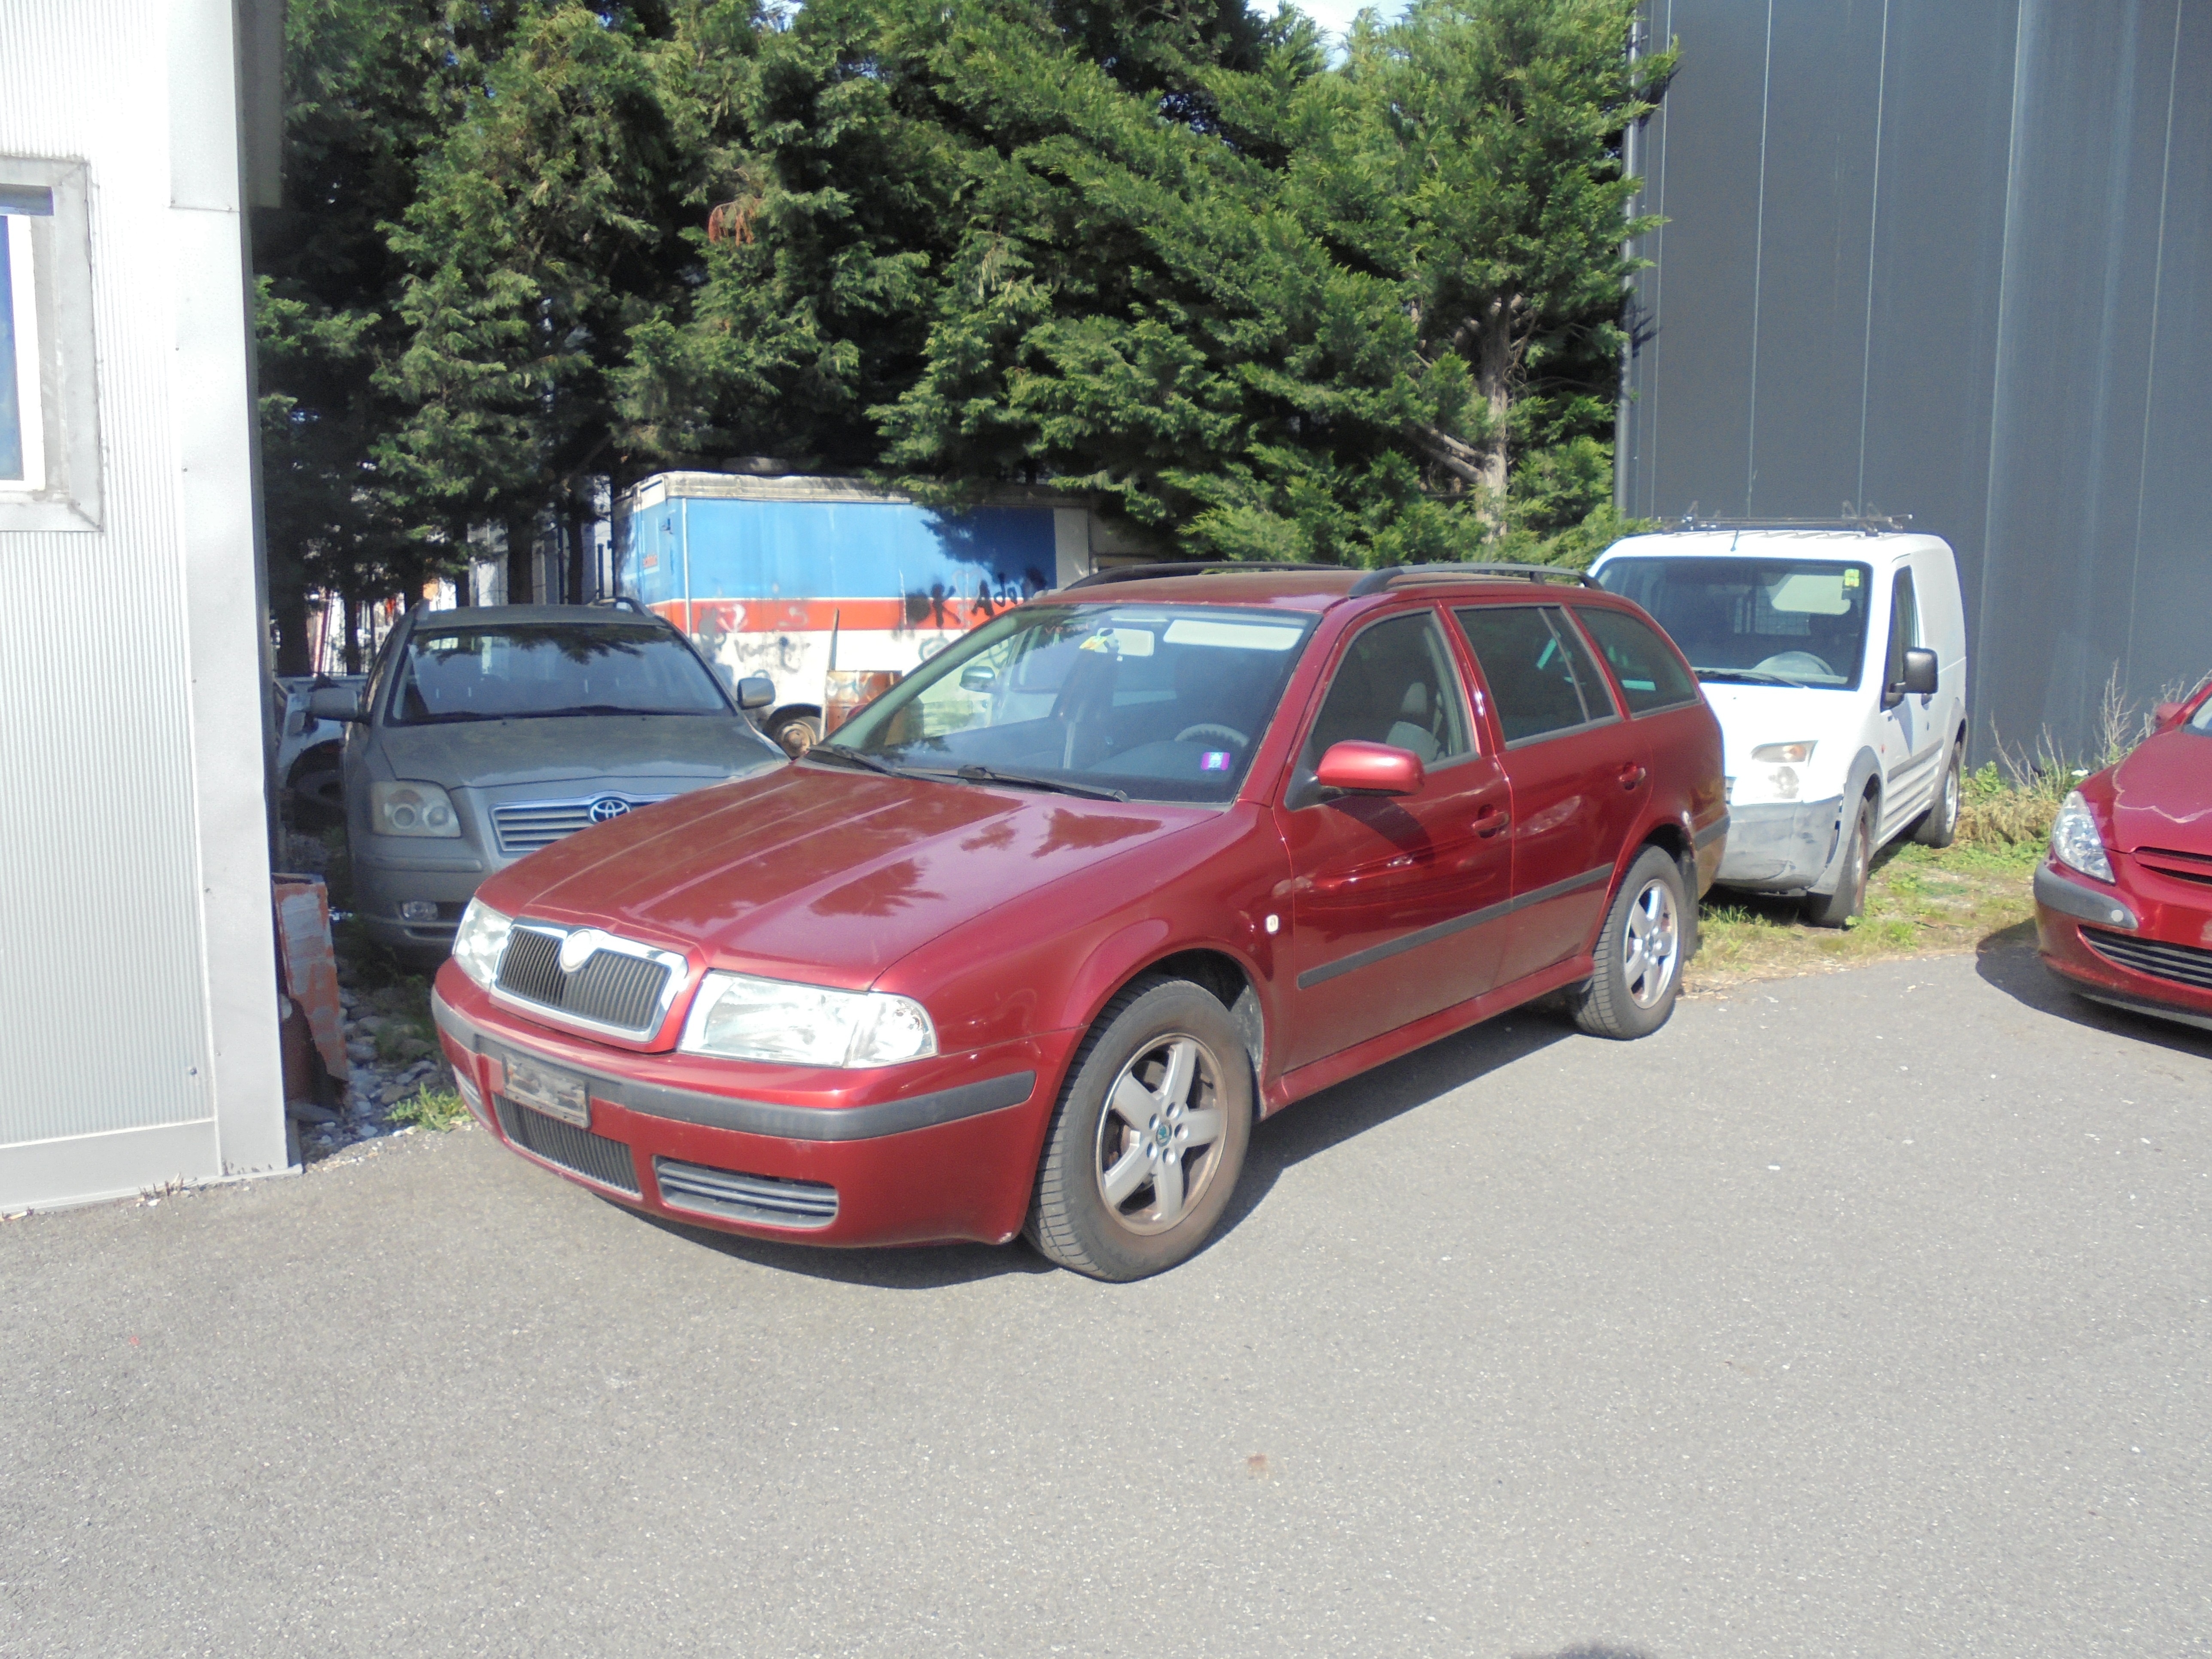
(1336, 16)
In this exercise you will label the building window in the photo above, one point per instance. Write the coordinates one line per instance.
(49, 391)
(22, 429)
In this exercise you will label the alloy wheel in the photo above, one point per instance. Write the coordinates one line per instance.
(1650, 944)
(1160, 1135)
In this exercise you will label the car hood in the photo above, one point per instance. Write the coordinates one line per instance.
(831, 877)
(2161, 794)
(486, 754)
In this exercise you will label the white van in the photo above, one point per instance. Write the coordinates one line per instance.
(1836, 660)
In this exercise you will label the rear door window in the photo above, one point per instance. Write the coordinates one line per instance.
(1541, 679)
(1650, 676)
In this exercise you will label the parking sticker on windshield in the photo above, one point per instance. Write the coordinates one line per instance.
(1214, 760)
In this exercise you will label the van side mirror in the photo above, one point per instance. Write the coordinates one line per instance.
(978, 677)
(755, 691)
(335, 703)
(1353, 767)
(1919, 672)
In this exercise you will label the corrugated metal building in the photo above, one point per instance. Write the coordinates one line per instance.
(1953, 259)
(137, 981)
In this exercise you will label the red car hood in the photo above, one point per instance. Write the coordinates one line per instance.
(829, 876)
(2161, 794)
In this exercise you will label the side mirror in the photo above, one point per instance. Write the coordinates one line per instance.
(978, 677)
(335, 703)
(1919, 672)
(1353, 767)
(2167, 714)
(755, 691)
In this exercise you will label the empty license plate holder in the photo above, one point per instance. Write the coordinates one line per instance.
(548, 1088)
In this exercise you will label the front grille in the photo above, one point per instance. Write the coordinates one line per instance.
(2184, 867)
(525, 826)
(2184, 964)
(612, 987)
(607, 1162)
(771, 1201)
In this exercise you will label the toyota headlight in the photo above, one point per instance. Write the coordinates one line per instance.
(480, 941)
(411, 809)
(2074, 841)
(738, 1016)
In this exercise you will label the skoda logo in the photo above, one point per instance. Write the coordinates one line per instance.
(580, 947)
(608, 806)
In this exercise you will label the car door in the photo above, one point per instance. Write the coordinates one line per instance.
(1912, 736)
(1575, 770)
(1393, 898)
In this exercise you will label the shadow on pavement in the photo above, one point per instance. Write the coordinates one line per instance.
(1589, 1651)
(889, 1267)
(1357, 1104)
(2007, 960)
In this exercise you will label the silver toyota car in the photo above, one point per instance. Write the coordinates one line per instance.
(485, 734)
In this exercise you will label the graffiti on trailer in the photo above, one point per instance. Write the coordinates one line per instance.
(936, 607)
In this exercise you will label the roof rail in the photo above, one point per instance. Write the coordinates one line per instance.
(1376, 581)
(1866, 523)
(1141, 572)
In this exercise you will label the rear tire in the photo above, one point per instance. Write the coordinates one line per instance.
(1940, 827)
(1149, 1137)
(1638, 962)
(1836, 908)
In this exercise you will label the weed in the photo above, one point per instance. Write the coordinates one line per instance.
(439, 1109)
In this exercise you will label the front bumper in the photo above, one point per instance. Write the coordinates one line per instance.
(2143, 942)
(1784, 847)
(939, 1150)
(382, 885)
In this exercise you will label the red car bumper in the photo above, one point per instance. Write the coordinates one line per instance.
(2141, 941)
(938, 1150)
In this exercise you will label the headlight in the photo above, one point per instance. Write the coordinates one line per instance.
(2074, 840)
(1796, 753)
(480, 941)
(411, 809)
(741, 1018)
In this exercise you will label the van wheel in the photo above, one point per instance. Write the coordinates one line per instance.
(1149, 1137)
(1836, 908)
(1638, 962)
(1940, 827)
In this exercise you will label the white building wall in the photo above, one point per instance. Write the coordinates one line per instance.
(137, 989)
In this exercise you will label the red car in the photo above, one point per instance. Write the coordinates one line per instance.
(2123, 903)
(1030, 943)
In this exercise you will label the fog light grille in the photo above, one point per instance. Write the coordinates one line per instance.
(2184, 964)
(769, 1200)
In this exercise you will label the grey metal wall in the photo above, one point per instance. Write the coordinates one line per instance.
(1949, 258)
(137, 981)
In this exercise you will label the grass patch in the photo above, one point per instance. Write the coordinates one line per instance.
(438, 1109)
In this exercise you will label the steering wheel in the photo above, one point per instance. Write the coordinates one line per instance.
(1795, 662)
(1209, 728)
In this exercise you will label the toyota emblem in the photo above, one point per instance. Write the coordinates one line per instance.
(608, 806)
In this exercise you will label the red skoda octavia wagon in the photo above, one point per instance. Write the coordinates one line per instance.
(2124, 901)
(1031, 942)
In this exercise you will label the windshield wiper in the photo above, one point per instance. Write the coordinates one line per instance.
(844, 756)
(1757, 676)
(1029, 780)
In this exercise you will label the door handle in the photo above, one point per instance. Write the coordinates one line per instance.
(1631, 775)
(1491, 820)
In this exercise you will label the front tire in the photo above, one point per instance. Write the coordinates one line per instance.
(1638, 964)
(1940, 827)
(1836, 909)
(1149, 1137)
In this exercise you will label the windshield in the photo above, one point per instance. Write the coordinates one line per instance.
(1158, 702)
(1798, 622)
(536, 670)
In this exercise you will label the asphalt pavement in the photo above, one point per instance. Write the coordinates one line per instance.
(1859, 1313)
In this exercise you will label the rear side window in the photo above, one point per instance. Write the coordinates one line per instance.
(1650, 676)
(1541, 678)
